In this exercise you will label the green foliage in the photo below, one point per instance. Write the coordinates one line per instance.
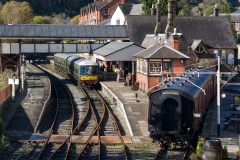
(147, 5)
(225, 8)
(225, 152)
(199, 146)
(41, 20)
(208, 11)
(184, 8)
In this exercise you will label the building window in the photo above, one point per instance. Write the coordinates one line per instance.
(166, 67)
(106, 11)
(155, 67)
(118, 22)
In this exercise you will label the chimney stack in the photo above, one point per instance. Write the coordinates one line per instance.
(158, 18)
(216, 10)
(175, 39)
(171, 18)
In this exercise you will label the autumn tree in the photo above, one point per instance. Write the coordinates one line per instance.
(74, 20)
(17, 13)
(41, 20)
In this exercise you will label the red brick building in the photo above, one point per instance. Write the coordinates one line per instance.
(161, 61)
(98, 11)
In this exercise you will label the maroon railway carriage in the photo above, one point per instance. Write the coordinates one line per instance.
(172, 107)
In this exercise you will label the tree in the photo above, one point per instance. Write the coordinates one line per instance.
(41, 20)
(184, 8)
(225, 8)
(60, 18)
(74, 20)
(17, 13)
(147, 5)
(208, 11)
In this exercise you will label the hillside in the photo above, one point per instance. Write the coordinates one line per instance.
(69, 7)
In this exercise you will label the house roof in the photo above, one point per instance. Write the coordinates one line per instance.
(136, 9)
(129, 9)
(98, 5)
(235, 17)
(112, 47)
(160, 51)
(126, 8)
(215, 32)
(196, 43)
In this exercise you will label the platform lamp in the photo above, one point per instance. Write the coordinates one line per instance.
(13, 86)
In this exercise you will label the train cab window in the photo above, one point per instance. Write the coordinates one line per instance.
(92, 69)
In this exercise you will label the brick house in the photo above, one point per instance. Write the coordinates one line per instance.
(98, 11)
(160, 61)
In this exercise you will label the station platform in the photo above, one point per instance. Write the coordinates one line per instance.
(22, 115)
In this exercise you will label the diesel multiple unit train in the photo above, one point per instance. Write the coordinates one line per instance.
(84, 71)
(173, 106)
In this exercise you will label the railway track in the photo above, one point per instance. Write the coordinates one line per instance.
(62, 123)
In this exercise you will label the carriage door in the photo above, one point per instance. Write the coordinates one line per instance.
(170, 119)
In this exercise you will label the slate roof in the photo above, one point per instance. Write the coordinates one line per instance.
(196, 43)
(112, 47)
(187, 89)
(136, 9)
(90, 7)
(160, 51)
(28, 31)
(215, 32)
(126, 8)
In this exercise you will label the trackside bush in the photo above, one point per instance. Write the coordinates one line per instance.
(199, 146)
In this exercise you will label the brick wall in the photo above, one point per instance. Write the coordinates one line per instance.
(5, 93)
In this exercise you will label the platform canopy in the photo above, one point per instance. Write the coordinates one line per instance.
(52, 31)
(118, 51)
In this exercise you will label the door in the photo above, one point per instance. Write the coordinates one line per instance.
(170, 119)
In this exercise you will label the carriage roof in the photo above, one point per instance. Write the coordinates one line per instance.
(85, 62)
(71, 58)
(62, 55)
(188, 89)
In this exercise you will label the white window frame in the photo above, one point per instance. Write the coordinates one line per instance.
(155, 68)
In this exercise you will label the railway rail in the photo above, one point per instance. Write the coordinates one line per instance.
(63, 120)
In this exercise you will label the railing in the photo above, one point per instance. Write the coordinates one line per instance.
(120, 105)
